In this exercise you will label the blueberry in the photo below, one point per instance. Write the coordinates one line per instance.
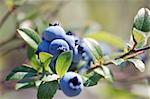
(73, 66)
(76, 55)
(54, 32)
(43, 47)
(70, 40)
(87, 55)
(77, 41)
(88, 60)
(71, 84)
(58, 46)
(73, 43)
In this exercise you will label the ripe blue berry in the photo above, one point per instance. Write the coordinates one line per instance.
(87, 55)
(71, 84)
(88, 60)
(77, 40)
(73, 66)
(70, 40)
(58, 46)
(43, 47)
(76, 55)
(54, 32)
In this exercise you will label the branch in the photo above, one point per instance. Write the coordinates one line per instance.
(12, 49)
(8, 13)
(9, 40)
(130, 54)
(91, 69)
(143, 49)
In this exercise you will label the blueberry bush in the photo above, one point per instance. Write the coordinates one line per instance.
(60, 60)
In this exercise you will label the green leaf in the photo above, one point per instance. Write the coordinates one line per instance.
(63, 63)
(44, 56)
(92, 80)
(33, 58)
(108, 38)
(24, 85)
(142, 20)
(139, 37)
(30, 36)
(94, 48)
(47, 90)
(105, 72)
(138, 64)
(16, 76)
(38, 83)
(50, 78)
(45, 59)
(46, 65)
(21, 72)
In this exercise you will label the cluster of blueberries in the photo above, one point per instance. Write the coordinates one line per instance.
(55, 41)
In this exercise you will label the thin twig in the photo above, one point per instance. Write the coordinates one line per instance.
(143, 49)
(12, 49)
(9, 40)
(91, 69)
(8, 13)
(130, 54)
(133, 52)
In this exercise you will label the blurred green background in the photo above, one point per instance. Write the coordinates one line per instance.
(79, 16)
